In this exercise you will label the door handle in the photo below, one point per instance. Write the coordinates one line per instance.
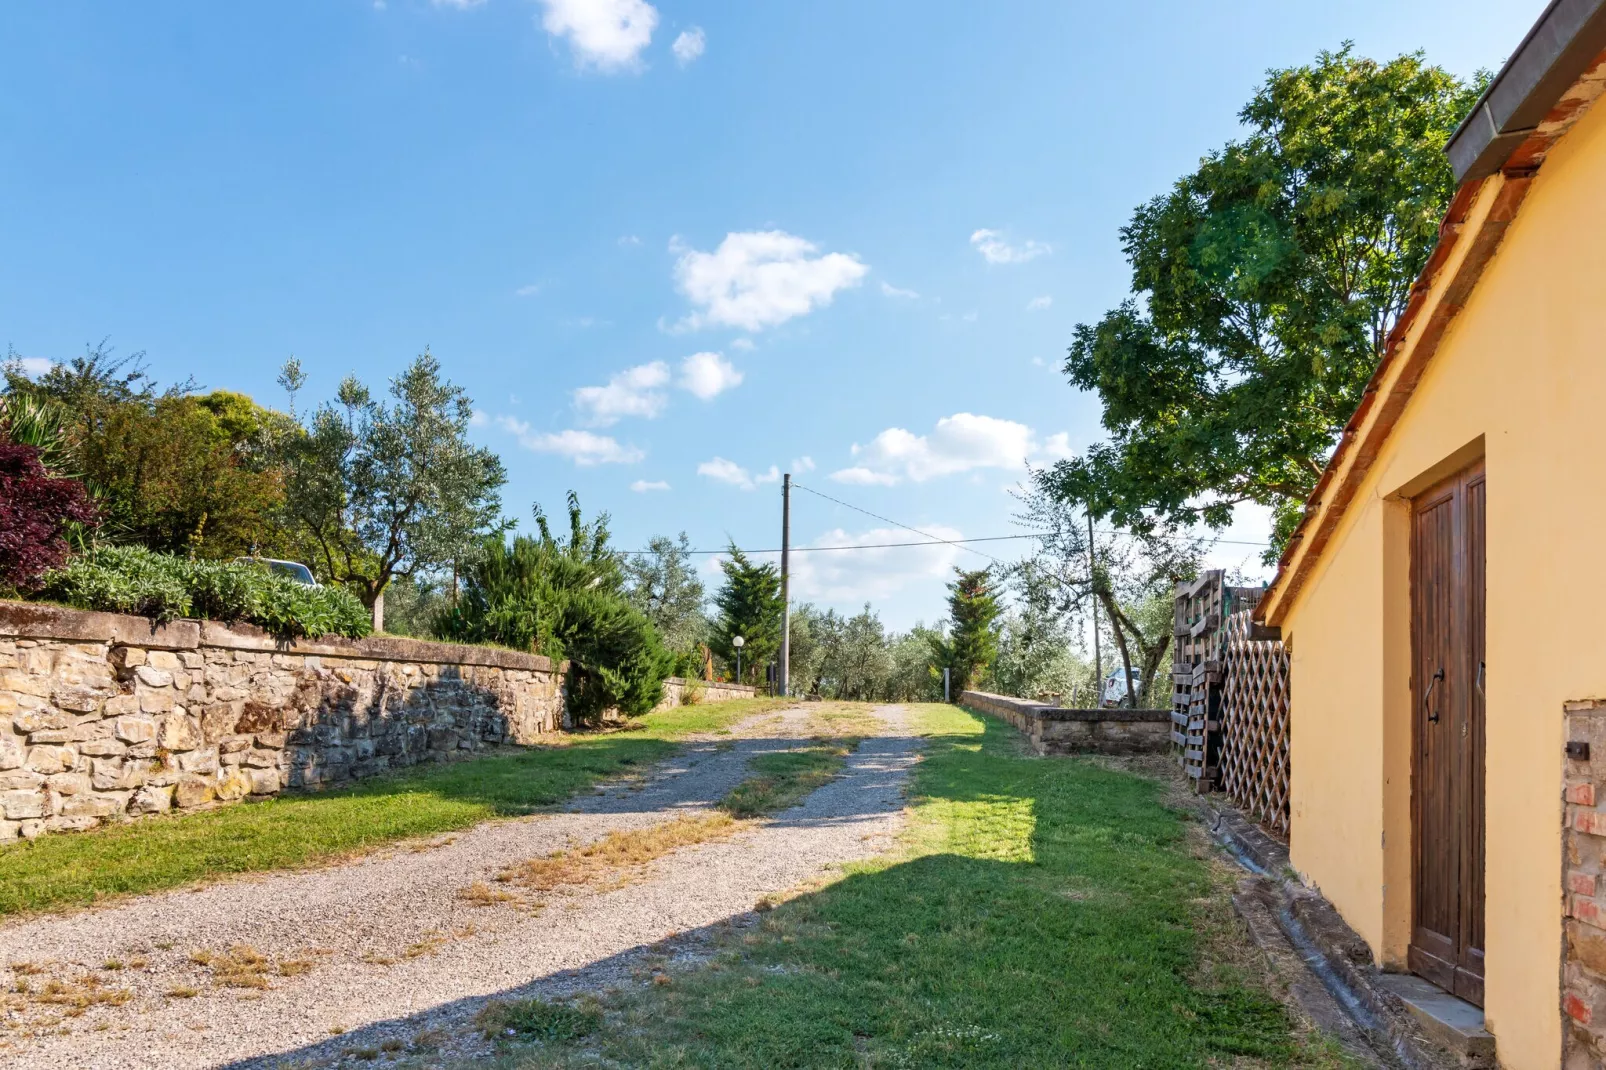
(1480, 679)
(1433, 711)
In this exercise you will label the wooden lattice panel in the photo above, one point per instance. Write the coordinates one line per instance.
(1254, 713)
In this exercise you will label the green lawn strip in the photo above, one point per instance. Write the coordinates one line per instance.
(785, 778)
(1046, 913)
(296, 829)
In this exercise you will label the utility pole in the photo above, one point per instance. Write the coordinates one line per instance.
(785, 670)
(1092, 586)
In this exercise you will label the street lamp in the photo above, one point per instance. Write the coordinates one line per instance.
(738, 642)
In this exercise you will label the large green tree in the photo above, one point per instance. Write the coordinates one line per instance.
(379, 490)
(1129, 575)
(1264, 288)
(972, 640)
(749, 605)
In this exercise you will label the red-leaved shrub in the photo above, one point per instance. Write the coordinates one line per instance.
(35, 509)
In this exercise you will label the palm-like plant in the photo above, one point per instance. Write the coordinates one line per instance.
(42, 424)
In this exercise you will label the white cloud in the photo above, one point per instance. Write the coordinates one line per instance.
(897, 291)
(742, 343)
(963, 442)
(995, 250)
(722, 471)
(1037, 304)
(477, 418)
(635, 391)
(861, 476)
(461, 5)
(643, 486)
(689, 45)
(803, 464)
(582, 447)
(607, 35)
(851, 577)
(33, 367)
(528, 291)
(1055, 447)
(708, 375)
(758, 279)
(629, 239)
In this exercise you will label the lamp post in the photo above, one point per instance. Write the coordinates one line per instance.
(738, 642)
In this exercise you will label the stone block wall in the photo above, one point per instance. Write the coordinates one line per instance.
(675, 690)
(103, 716)
(1583, 993)
(1057, 730)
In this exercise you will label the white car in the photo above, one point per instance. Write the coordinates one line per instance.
(294, 570)
(1114, 691)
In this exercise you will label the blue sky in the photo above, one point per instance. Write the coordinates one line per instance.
(669, 248)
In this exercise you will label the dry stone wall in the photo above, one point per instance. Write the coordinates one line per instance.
(1056, 730)
(104, 716)
(679, 692)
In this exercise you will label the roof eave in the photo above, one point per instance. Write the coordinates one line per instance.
(1559, 47)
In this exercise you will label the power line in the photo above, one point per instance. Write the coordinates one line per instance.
(887, 520)
(857, 546)
(934, 540)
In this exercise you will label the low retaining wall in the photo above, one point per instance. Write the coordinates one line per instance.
(1057, 730)
(676, 691)
(103, 716)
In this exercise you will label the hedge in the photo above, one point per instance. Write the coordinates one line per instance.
(131, 579)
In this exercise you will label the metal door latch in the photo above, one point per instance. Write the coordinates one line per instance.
(1433, 711)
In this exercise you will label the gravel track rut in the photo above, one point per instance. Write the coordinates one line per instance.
(394, 949)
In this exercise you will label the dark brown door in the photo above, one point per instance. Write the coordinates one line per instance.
(1447, 618)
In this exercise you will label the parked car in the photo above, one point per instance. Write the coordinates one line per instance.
(1114, 693)
(295, 570)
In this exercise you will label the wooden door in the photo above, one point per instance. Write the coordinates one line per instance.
(1447, 635)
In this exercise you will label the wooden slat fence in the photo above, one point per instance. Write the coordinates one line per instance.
(1254, 734)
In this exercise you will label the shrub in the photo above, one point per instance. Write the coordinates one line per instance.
(563, 597)
(36, 510)
(130, 579)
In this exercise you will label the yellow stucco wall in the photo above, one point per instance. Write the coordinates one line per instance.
(1521, 378)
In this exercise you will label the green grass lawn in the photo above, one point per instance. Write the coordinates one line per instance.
(782, 780)
(1046, 912)
(77, 869)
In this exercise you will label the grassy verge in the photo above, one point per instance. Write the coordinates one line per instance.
(1044, 913)
(293, 830)
(786, 778)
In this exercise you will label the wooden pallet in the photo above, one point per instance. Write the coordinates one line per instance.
(1203, 607)
(1255, 767)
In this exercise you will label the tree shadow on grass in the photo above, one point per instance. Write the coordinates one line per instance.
(1066, 923)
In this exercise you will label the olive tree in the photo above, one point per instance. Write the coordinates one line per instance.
(383, 489)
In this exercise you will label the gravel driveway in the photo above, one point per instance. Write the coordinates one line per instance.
(391, 948)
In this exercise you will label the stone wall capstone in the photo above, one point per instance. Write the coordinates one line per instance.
(678, 692)
(105, 716)
(1056, 730)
